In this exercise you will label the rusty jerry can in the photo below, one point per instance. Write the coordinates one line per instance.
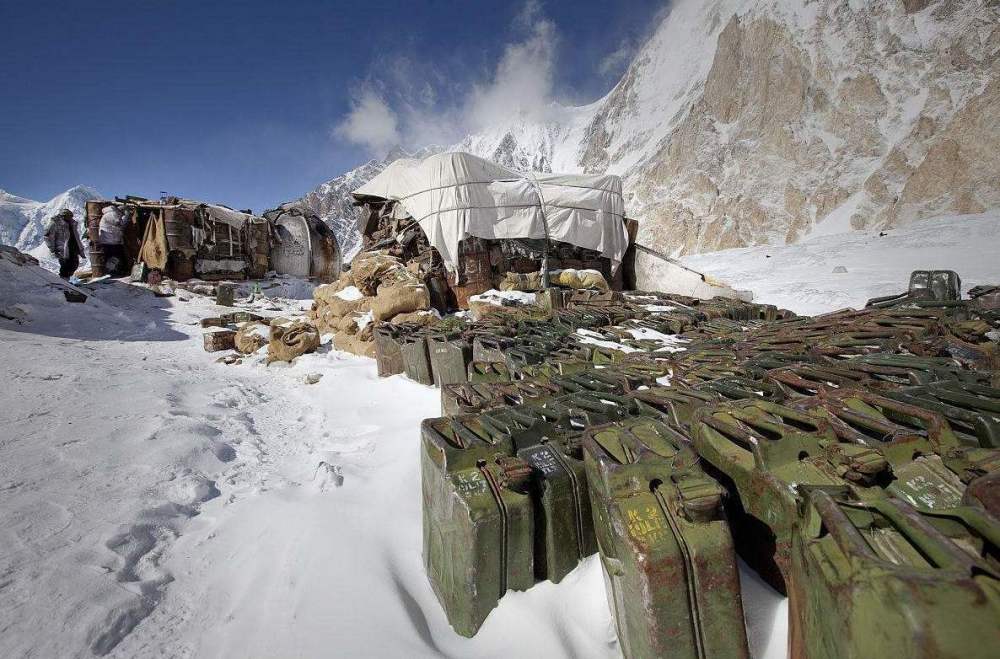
(972, 410)
(758, 450)
(490, 347)
(478, 523)
(930, 466)
(881, 579)
(665, 544)
(466, 398)
(675, 404)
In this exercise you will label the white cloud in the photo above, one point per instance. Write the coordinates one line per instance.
(521, 85)
(370, 123)
(615, 62)
(405, 101)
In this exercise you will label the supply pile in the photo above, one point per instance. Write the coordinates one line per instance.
(852, 459)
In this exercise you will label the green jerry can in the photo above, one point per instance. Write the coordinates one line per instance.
(972, 410)
(388, 349)
(564, 530)
(676, 404)
(416, 358)
(490, 348)
(520, 357)
(467, 397)
(759, 450)
(930, 466)
(478, 520)
(883, 579)
(736, 387)
(523, 392)
(489, 372)
(804, 380)
(665, 544)
(450, 356)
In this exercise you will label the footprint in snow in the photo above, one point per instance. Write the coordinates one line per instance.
(328, 476)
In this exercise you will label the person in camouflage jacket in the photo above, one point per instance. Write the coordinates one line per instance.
(64, 242)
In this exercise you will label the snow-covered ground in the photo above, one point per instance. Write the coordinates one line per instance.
(156, 503)
(806, 277)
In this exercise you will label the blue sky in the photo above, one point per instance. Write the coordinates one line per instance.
(255, 102)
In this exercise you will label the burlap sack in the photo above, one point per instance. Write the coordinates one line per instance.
(422, 318)
(394, 300)
(353, 344)
(250, 337)
(341, 308)
(369, 268)
(346, 325)
(516, 281)
(289, 341)
(565, 278)
(399, 277)
(592, 279)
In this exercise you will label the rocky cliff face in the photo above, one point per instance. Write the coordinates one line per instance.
(825, 117)
(745, 122)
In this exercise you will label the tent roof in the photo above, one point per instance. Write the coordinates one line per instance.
(454, 195)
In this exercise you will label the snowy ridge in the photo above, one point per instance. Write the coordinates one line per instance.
(23, 221)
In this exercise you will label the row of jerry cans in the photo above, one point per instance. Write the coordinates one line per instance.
(872, 515)
(865, 448)
(522, 493)
(445, 354)
(878, 520)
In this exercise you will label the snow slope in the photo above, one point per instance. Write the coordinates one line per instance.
(801, 277)
(156, 503)
(23, 221)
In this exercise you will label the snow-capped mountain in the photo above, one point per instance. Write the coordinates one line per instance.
(23, 221)
(332, 200)
(745, 122)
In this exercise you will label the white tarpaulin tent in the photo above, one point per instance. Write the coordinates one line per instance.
(455, 195)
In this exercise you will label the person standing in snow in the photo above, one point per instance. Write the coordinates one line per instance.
(111, 239)
(64, 242)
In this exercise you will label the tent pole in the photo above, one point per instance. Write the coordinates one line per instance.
(545, 227)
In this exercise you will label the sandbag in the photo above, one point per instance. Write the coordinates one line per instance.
(577, 279)
(565, 278)
(340, 307)
(353, 344)
(421, 318)
(517, 281)
(394, 300)
(368, 269)
(250, 337)
(346, 325)
(399, 277)
(289, 341)
(324, 292)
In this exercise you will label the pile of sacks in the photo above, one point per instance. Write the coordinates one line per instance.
(378, 287)
(285, 338)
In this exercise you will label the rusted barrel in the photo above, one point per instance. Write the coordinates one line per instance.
(93, 220)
